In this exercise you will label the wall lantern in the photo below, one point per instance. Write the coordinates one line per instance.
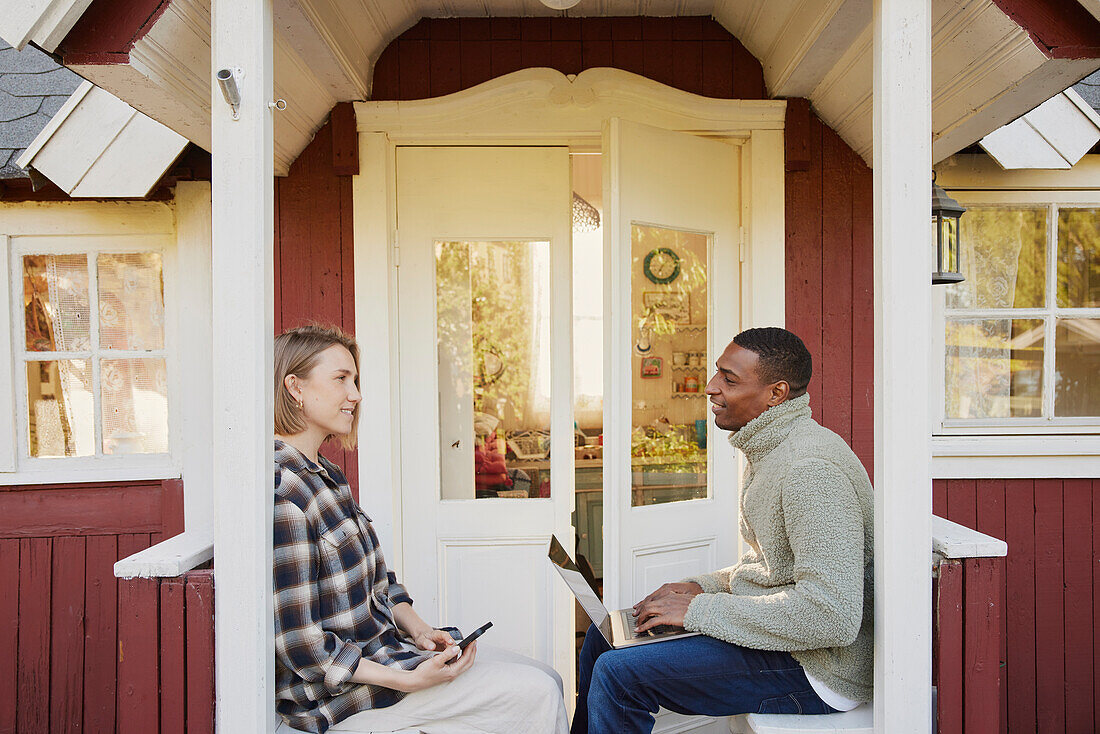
(945, 236)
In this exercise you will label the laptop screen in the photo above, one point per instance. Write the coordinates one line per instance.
(586, 595)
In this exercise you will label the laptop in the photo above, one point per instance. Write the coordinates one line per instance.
(618, 628)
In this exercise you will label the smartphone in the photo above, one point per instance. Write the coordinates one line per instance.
(468, 639)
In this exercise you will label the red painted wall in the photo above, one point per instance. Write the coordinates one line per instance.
(1050, 680)
(314, 280)
(444, 55)
(829, 294)
(66, 649)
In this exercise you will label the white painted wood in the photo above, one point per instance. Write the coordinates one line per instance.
(88, 147)
(535, 105)
(763, 293)
(169, 558)
(195, 349)
(679, 181)
(375, 322)
(44, 21)
(9, 447)
(987, 69)
(110, 218)
(467, 560)
(1056, 134)
(903, 496)
(242, 287)
(951, 540)
(1011, 457)
(856, 721)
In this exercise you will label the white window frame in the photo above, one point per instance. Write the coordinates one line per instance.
(82, 228)
(1015, 447)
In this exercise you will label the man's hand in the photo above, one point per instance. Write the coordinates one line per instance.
(433, 639)
(667, 605)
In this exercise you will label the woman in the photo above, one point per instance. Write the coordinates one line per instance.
(351, 653)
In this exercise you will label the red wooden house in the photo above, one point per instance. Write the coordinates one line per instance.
(438, 153)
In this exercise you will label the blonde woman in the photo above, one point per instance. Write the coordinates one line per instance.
(351, 652)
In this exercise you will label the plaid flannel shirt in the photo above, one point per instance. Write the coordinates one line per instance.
(333, 598)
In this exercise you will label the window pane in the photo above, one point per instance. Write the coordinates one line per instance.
(131, 301)
(1003, 258)
(135, 406)
(669, 367)
(493, 341)
(59, 407)
(55, 303)
(1079, 258)
(994, 368)
(1077, 367)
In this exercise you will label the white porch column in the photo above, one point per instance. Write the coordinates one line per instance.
(243, 226)
(903, 307)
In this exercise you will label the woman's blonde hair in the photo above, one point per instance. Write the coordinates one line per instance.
(296, 353)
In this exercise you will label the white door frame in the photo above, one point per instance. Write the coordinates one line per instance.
(534, 107)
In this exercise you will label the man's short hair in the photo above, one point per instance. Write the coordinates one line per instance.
(782, 356)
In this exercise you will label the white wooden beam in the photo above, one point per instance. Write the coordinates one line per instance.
(903, 306)
(243, 286)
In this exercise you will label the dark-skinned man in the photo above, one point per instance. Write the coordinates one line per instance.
(788, 628)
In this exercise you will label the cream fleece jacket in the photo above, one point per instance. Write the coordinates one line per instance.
(805, 585)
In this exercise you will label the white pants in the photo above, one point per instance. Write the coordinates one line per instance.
(502, 693)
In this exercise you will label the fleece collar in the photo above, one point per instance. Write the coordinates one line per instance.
(767, 430)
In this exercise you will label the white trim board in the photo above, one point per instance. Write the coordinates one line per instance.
(88, 147)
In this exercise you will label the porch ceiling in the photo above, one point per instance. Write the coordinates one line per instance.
(986, 69)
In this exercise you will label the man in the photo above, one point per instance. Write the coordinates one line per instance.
(788, 629)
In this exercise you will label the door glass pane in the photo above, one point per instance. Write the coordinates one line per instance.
(135, 406)
(55, 303)
(1003, 258)
(59, 407)
(668, 299)
(1077, 367)
(493, 350)
(994, 368)
(131, 301)
(1079, 259)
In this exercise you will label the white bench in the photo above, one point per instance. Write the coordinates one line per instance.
(285, 729)
(859, 720)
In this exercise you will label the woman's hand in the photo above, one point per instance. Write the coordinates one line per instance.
(435, 670)
(433, 639)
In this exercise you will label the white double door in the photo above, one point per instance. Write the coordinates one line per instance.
(462, 213)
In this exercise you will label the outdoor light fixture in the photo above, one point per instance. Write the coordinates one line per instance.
(945, 236)
(227, 80)
(560, 4)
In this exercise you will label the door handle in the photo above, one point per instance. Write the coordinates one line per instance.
(456, 443)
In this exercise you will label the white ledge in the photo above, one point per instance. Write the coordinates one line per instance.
(170, 558)
(951, 540)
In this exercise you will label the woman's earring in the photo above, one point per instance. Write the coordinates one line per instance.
(301, 405)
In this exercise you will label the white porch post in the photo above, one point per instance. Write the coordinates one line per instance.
(903, 306)
(243, 226)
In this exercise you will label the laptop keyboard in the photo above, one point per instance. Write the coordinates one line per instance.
(632, 624)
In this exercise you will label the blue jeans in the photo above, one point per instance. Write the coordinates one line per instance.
(620, 690)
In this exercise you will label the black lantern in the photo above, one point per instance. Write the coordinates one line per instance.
(945, 236)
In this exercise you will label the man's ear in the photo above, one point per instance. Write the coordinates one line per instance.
(780, 392)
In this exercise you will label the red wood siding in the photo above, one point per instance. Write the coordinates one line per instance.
(440, 56)
(1061, 30)
(829, 274)
(314, 278)
(108, 29)
(1050, 648)
(63, 651)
